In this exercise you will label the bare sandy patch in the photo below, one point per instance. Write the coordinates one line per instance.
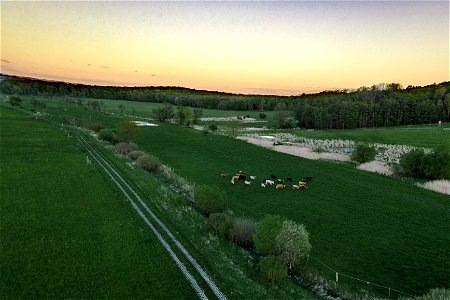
(440, 186)
(376, 167)
(144, 123)
(293, 149)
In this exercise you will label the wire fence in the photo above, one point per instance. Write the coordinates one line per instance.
(363, 284)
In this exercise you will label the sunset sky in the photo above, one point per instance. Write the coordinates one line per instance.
(245, 47)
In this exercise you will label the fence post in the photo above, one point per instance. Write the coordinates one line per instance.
(337, 277)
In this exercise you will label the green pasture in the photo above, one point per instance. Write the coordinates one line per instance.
(429, 136)
(373, 227)
(66, 231)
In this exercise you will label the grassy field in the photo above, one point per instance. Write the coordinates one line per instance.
(65, 230)
(429, 136)
(374, 227)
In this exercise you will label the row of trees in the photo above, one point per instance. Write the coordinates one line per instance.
(376, 106)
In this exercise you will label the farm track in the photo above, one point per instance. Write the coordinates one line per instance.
(146, 215)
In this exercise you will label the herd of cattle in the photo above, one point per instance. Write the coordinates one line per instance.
(274, 180)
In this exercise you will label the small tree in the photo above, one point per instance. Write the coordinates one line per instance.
(292, 243)
(272, 269)
(183, 115)
(122, 148)
(209, 199)
(364, 153)
(127, 132)
(198, 113)
(121, 108)
(164, 112)
(267, 230)
(262, 115)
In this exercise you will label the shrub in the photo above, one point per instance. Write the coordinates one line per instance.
(91, 124)
(148, 163)
(38, 104)
(292, 243)
(71, 120)
(434, 294)
(209, 200)
(364, 153)
(164, 112)
(108, 134)
(122, 148)
(135, 154)
(267, 230)
(212, 127)
(411, 163)
(242, 232)
(262, 115)
(205, 131)
(273, 269)
(220, 224)
(436, 165)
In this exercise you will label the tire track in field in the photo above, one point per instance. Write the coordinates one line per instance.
(105, 165)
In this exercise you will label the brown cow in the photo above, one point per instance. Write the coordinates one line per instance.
(280, 186)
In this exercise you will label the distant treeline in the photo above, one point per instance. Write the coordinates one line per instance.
(376, 106)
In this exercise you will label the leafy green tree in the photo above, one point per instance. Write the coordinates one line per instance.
(267, 230)
(127, 131)
(108, 134)
(164, 112)
(183, 115)
(364, 153)
(292, 243)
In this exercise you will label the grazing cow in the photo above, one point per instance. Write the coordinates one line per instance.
(268, 181)
(279, 180)
(252, 177)
(234, 178)
(273, 176)
(263, 184)
(302, 184)
(280, 186)
(247, 182)
(241, 176)
(308, 178)
(289, 179)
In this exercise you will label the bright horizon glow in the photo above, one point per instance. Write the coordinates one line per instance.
(283, 48)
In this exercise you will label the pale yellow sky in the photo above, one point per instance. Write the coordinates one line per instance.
(250, 47)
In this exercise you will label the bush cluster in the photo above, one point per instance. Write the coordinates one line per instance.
(108, 134)
(209, 200)
(220, 224)
(135, 154)
(122, 148)
(91, 124)
(273, 269)
(418, 164)
(242, 232)
(364, 153)
(148, 163)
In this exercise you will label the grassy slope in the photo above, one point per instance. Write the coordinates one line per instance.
(429, 136)
(65, 230)
(367, 225)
